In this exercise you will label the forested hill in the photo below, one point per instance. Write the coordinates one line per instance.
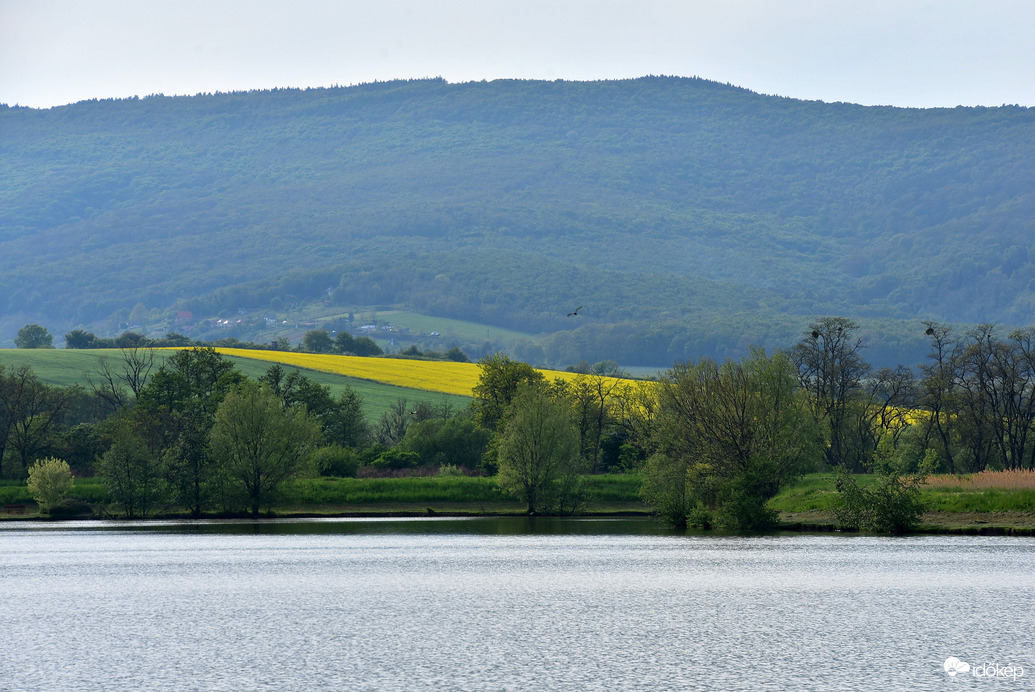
(689, 217)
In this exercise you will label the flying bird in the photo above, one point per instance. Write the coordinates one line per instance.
(575, 312)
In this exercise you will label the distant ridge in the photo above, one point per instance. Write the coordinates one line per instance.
(700, 217)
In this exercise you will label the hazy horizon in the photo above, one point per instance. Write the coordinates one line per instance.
(911, 54)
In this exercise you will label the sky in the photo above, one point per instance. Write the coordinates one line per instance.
(914, 53)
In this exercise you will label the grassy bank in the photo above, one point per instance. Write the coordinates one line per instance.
(991, 502)
(605, 494)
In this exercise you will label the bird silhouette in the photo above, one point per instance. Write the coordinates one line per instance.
(575, 312)
(930, 331)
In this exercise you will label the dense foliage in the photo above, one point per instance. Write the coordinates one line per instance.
(690, 218)
(714, 442)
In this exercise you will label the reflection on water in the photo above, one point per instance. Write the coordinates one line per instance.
(495, 526)
(512, 604)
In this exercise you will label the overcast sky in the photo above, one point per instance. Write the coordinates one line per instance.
(898, 52)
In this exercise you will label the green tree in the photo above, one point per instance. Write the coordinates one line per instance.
(258, 443)
(30, 412)
(440, 441)
(538, 449)
(131, 340)
(728, 437)
(455, 354)
(498, 382)
(80, 338)
(33, 336)
(365, 346)
(177, 410)
(132, 473)
(341, 418)
(50, 481)
(337, 461)
(317, 341)
(344, 343)
(668, 487)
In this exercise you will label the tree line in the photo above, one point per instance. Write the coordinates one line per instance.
(33, 336)
(716, 441)
(713, 441)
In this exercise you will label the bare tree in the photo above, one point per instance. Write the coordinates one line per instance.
(131, 374)
(831, 370)
(937, 391)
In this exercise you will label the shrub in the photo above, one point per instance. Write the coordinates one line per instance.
(891, 505)
(335, 460)
(71, 508)
(50, 480)
(395, 459)
(742, 504)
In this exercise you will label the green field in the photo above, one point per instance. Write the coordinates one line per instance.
(420, 324)
(69, 367)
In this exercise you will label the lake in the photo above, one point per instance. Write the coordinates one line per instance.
(506, 604)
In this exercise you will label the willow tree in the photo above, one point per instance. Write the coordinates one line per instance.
(539, 458)
(258, 443)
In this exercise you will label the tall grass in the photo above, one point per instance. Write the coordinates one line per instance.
(987, 491)
(1017, 479)
(89, 490)
(614, 488)
(390, 491)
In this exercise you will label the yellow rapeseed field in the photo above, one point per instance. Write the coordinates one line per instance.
(429, 375)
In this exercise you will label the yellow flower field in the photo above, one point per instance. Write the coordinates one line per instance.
(429, 375)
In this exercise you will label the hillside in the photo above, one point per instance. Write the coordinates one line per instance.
(81, 367)
(688, 217)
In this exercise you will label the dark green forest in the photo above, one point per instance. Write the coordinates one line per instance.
(690, 218)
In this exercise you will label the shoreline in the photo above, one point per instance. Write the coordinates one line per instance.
(933, 523)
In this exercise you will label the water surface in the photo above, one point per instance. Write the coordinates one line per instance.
(486, 604)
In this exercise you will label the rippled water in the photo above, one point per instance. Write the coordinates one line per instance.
(486, 604)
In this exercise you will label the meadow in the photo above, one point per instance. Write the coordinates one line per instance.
(65, 368)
